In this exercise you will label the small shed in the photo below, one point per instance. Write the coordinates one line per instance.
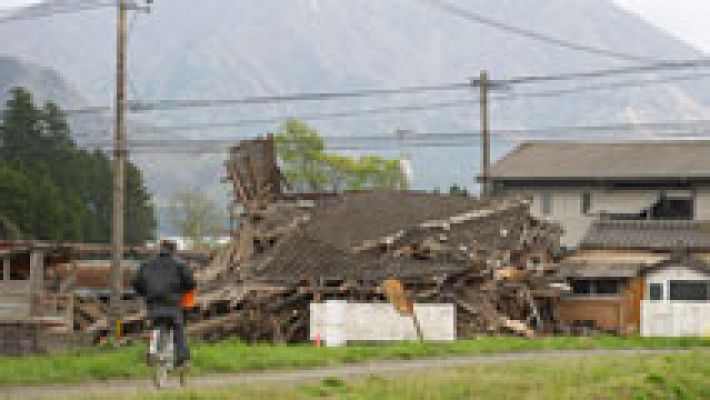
(677, 299)
(30, 288)
(602, 295)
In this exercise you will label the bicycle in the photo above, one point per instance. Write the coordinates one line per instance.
(161, 354)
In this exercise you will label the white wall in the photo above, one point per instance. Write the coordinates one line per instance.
(674, 318)
(567, 207)
(567, 210)
(702, 205)
(338, 322)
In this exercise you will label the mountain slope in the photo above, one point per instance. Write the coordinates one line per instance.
(44, 83)
(231, 49)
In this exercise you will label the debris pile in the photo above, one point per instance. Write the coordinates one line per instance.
(487, 258)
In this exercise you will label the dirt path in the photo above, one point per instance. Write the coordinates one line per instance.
(109, 388)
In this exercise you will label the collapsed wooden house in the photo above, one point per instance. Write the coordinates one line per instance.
(487, 257)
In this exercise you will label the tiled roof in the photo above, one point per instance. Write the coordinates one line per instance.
(353, 218)
(600, 160)
(301, 257)
(599, 270)
(335, 242)
(660, 235)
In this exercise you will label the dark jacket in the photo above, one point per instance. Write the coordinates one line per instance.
(161, 281)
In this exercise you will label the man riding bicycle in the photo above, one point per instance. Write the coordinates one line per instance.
(162, 281)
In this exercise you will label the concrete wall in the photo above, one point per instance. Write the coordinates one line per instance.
(338, 322)
(702, 204)
(674, 318)
(25, 338)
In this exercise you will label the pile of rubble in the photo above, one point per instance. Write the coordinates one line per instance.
(487, 258)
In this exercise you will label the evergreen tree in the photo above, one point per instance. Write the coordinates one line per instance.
(56, 190)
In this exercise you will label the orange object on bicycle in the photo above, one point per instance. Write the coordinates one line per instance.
(187, 300)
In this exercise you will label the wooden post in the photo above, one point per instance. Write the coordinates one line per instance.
(271, 162)
(36, 279)
(6, 268)
(485, 137)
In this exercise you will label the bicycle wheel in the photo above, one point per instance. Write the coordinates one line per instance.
(162, 364)
(183, 376)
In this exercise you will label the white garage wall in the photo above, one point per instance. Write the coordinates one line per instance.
(674, 318)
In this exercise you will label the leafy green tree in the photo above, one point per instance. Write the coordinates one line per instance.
(67, 190)
(309, 167)
(301, 150)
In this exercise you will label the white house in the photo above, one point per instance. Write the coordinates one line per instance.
(677, 299)
(574, 183)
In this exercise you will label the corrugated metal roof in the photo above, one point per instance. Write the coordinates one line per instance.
(599, 160)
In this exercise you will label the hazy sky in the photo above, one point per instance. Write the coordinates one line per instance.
(686, 19)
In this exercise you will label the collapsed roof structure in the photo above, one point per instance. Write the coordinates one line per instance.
(487, 257)
(293, 249)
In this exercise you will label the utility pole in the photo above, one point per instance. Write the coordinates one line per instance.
(119, 179)
(483, 83)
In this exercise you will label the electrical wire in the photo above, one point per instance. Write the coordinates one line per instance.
(670, 128)
(417, 107)
(530, 34)
(166, 105)
(47, 10)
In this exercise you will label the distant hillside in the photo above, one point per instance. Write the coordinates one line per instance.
(227, 49)
(45, 84)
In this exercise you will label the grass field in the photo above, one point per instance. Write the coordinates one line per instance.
(679, 376)
(234, 356)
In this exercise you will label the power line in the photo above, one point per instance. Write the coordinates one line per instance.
(181, 104)
(530, 34)
(664, 126)
(661, 66)
(609, 86)
(47, 9)
(417, 107)
(311, 117)
(460, 139)
(158, 105)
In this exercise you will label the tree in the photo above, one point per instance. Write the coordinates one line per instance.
(308, 167)
(301, 150)
(68, 189)
(195, 216)
(456, 190)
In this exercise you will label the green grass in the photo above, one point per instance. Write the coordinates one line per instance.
(234, 356)
(667, 377)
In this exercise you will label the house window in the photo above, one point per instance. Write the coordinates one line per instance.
(655, 291)
(582, 287)
(606, 287)
(690, 290)
(595, 287)
(586, 202)
(546, 199)
(681, 208)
